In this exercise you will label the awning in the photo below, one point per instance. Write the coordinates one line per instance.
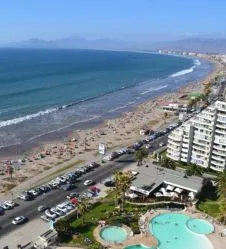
(170, 188)
(178, 190)
(140, 190)
(173, 194)
(131, 195)
(158, 194)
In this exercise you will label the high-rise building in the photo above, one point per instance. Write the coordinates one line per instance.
(202, 139)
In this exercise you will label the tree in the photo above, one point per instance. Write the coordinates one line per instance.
(83, 207)
(166, 162)
(193, 169)
(122, 184)
(140, 155)
(222, 209)
(62, 227)
(221, 184)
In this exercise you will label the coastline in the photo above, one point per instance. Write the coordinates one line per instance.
(115, 132)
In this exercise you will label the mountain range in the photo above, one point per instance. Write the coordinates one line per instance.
(204, 45)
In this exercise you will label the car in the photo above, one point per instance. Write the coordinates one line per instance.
(10, 203)
(67, 186)
(148, 146)
(42, 208)
(62, 208)
(95, 165)
(49, 214)
(72, 195)
(19, 220)
(109, 183)
(88, 182)
(2, 210)
(161, 144)
(45, 218)
(5, 207)
(57, 211)
(33, 192)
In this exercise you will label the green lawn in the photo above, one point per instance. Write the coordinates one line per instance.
(210, 208)
(99, 211)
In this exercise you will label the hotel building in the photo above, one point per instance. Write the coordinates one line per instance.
(202, 139)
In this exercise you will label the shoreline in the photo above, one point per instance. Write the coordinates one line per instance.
(117, 132)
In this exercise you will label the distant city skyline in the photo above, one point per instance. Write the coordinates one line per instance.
(135, 20)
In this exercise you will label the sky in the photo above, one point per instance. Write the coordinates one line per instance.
(135, 20)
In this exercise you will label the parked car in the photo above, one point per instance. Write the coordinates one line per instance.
(10, 203)
(148, 146)
(42, 208)
(45, 218)
(2, 210)
(49, 214)
(19, 220)
(161, 144)
(72, 195)
(57, 211)
(88, 182)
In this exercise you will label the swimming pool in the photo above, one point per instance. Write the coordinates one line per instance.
(113, 234)
(172, 232)
(140, 246)
(200, 226)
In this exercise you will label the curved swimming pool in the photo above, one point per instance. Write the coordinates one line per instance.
(172, 232)
(113, 234)
(200, 226)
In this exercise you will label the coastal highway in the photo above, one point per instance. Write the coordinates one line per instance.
(52, 198)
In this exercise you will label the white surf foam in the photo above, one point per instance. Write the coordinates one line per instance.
(64, 127)
(27, 117)
(182, 72)
(152, 89)
(186, 71)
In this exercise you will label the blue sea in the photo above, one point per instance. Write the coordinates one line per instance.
(47, 93)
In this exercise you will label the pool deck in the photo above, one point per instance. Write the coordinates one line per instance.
(146, 239)
(215, 238)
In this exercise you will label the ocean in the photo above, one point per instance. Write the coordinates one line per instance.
(44, 94)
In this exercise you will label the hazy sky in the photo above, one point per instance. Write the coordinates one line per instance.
(117, 19)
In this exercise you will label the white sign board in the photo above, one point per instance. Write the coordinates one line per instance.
(102, 149)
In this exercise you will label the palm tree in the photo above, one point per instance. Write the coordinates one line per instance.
(122, 184)
(221, 184)
(166, 162)
(222, 209)
(193, 169)
(83, 207)
(140, 155)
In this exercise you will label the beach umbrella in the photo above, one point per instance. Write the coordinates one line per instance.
(178, 190)
(170, 188)
(158, 194)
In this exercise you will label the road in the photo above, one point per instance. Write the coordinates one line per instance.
(52, 198)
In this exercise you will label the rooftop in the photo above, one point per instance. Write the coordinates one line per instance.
(151, 177)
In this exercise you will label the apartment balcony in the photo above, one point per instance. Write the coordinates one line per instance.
(199, 162)
(218, 158)
(217, 147)
(217, 168)
(219, 140)
(222, 114)
(185, 150)
(184, 159)
(218, 152)
(216, 163)
(174, 143)
(200, 153)
(202, 143)
(185, 140)
(207, 115)
(221, 131)
(184, 145)
(173, 157)
(175, 138)
(221, 124)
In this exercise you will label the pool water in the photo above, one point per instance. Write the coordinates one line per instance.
(113, 234)
(138, 247)
(200, 226)
(172, 232)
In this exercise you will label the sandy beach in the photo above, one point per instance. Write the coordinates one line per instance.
(43, 162)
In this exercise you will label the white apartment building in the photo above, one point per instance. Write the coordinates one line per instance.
(202, 139)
